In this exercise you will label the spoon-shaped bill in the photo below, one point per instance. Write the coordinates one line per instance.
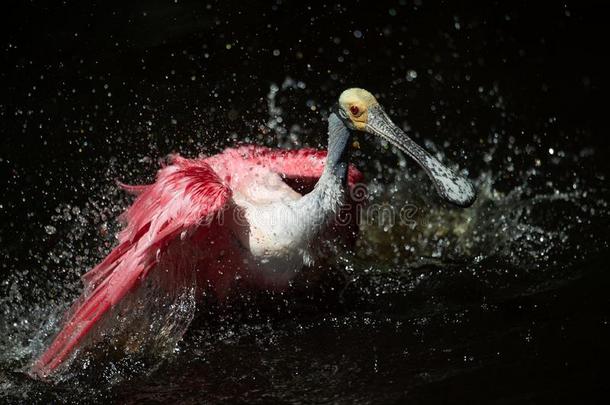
(452, 187)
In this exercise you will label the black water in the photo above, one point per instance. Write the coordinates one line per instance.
(505, 302)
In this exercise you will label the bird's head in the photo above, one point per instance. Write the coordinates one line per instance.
(360, 111)
(354, 105)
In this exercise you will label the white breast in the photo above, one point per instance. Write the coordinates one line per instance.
(270, 227)
(278, 225)
(277, 239)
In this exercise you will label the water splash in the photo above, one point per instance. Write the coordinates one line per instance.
(509, 226)
(528, 228)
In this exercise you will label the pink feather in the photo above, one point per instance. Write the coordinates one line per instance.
(172, 222)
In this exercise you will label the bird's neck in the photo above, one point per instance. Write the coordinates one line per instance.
(337, 159)
(327, 197)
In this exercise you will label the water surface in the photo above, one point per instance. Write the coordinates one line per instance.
(502, 302)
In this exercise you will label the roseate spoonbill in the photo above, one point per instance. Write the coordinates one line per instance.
(233, 215)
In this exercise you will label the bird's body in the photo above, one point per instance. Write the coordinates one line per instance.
(250, 213)
(253, 227)
(273, 226)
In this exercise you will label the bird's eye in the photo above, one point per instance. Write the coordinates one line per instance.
(354, 110)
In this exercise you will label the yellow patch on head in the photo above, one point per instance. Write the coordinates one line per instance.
(356, 103)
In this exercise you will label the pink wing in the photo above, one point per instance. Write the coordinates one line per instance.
(186, 194)
(173, 209)
(301, 168)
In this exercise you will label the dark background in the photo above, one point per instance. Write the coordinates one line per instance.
(548, 60)
(85, 84)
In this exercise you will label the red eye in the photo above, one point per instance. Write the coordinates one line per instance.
(354, 110)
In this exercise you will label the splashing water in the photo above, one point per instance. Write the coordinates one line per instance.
(411, 245)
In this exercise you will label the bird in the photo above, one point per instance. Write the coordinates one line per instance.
(249, 212)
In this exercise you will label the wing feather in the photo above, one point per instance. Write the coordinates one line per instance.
(300, 168)
(185, 196)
